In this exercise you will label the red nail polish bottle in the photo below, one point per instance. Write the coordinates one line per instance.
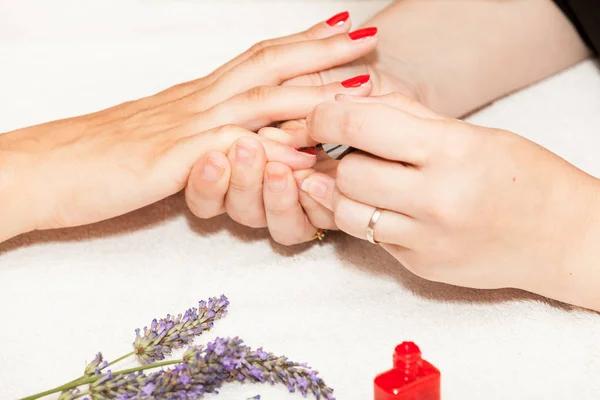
(412, 378)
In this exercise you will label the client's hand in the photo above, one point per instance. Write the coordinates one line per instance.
(258, 194)
(93, 167)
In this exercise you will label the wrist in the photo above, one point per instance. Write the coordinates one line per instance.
(16, 212)
(573, 275)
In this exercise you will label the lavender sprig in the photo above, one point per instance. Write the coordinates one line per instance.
(205, 369)
(169, 333)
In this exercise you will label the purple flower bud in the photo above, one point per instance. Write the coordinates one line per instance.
(171, 333)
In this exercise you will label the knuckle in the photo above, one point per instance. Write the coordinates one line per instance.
(343, 179)
(340, 217)
(352, 124)
(229, 129)
(259, 94)
(264, 56)
(242, 185)
(311, 34)
(260, 46)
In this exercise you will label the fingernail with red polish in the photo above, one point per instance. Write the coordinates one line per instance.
(338, 19)
(363, 33)
(357, 81)
(307, 150)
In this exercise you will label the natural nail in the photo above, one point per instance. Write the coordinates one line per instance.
(244, 155)
(276, 182)
(212, 170)
(357, 81)
(338, 19)
(314, 188)
(363, 33)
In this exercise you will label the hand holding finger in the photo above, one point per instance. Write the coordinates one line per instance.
(392, 127)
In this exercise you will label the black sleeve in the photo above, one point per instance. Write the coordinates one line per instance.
(585, 16)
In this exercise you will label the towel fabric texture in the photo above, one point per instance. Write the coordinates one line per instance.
(341, 305)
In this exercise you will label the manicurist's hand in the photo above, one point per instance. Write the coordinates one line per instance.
(459, 203)
(93, 167)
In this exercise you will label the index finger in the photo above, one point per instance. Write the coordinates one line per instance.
(375, 128)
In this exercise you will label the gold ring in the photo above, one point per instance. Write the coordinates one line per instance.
(320, 234)
(371, 227)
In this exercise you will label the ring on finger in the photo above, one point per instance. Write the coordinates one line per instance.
(319, 235)
(371, 226)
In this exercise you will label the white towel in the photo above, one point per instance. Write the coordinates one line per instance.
(341, 306)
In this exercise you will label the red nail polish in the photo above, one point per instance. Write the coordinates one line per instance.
(308, 150)
(357, 81)
(338, 19)
(363, 33)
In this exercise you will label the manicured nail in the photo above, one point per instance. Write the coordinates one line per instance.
(314, 187)
(338, 19)
(307, 150)
(363, 33)
(244, 154)
(357, 81)
(276, 182)
(212, 170)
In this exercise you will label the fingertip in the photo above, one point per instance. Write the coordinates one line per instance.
(247, 152)
(214, 168)
(320, 187)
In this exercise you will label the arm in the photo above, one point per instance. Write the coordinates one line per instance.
(532, 224)
(15, 217)
(461, 54)
(98, 166)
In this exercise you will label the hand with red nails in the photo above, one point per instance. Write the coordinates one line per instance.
(108, 163)
(259, 192)
(460, 203)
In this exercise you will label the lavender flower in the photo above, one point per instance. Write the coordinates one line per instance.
(206, 369)
(169, 333)
(95, 366)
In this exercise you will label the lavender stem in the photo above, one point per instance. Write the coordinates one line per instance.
(93, 379)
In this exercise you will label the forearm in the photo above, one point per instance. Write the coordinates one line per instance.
(573, 277)
(463, 54)
(15, 213)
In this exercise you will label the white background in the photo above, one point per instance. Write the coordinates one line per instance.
(341, 306)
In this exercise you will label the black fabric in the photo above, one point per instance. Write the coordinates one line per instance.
(585, 16)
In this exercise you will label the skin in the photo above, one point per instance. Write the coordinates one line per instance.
(421, 45)
(101, 165)
(451, 215)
